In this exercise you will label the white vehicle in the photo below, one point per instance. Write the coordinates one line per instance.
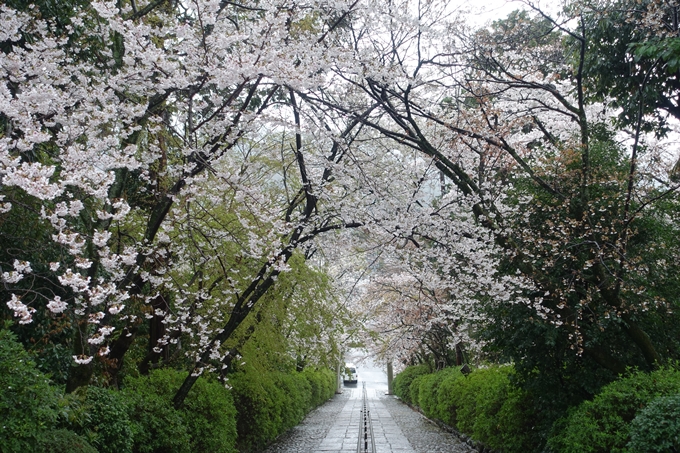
(350, 376)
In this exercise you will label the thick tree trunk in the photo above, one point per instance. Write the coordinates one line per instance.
(642, 340)
(157, 331)
(605, 359)
(80, 374)
(114, 361)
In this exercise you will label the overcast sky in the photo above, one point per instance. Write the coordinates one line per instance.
(484, 11)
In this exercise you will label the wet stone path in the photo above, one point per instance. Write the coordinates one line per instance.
(334, 428)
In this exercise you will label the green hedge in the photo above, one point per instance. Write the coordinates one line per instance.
(157, 426)
(28, 404)
(269, 404)
(402, 382)
(206, 422)
(484, 405)
(414, 389)
(447, 397)
(210, 415)
(101, 416)
(656, 428)
(639, 412)
(604, 424)
(140, 418)
(429, 389)
(63, 441)
(323, 385)
(495, 412)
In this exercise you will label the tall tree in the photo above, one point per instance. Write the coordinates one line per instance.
(114, 120)
(632, 59)
(504, 114)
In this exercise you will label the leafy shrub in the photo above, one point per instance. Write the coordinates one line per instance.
(428, 395)
(517, 420)
(604, 424)
(28, 404)
(205, 423)
(329, 384)
(63, 441)
(402, 382)
(414, 388)
(257, 422)
(656, 428)
(483, 405)
(322, 384)
(495, 412)
(270, 403)
(315, 386)
(210, 416)
(464, 393)
(481, 396)
(294, 398)
(158, 427)
(447, 396)
(100, 415)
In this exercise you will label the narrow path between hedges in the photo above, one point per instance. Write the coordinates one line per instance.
(334, 427)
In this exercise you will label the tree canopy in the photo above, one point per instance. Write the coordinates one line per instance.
(188, 183)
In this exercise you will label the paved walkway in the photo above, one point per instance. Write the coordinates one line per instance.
(334, 428)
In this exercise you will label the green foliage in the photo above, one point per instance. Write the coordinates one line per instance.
(295, 324)
(402, 382)
(427, 394)
(604, 424)
(205, 423)
(294, 394)
(609, 73)
(270, 403)
(447, 405)
(158, 427)
(322, 384)
(210, 416)
(495, 412)
(433, 394)
(414, 389)
(516, 423)
(549, 369)
(100, 415)
(543, 350)
(665, 49)
(63, 441)
(656, 428)
(28, 405)
(485, 405)
(258, 421)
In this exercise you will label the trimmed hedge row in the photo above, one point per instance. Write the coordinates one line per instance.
(270, 404)
(638, 412)
(483, 405)
(206, 422)
(140, 418)
(402, 382)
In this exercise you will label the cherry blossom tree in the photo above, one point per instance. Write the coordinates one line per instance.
(502, 113)
(166, 169)
(130, 127)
